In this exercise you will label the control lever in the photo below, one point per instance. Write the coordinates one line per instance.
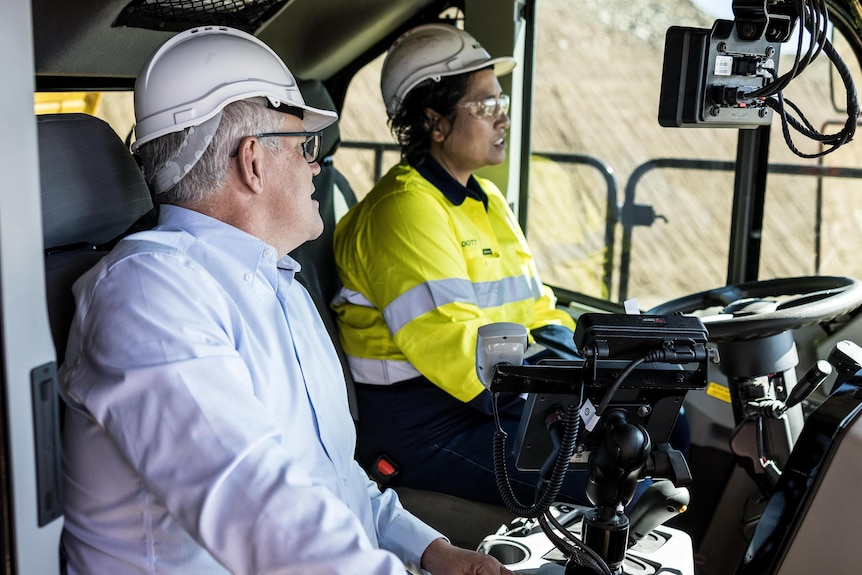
(770, 408)
(773, 408)
(661, 502)
(812, 379)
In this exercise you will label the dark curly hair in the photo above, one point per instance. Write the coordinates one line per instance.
(410, 126)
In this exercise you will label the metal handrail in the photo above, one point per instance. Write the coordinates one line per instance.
(379, 148)
(818, 171)
(611, 205)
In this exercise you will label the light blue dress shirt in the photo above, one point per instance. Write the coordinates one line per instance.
(209, 430)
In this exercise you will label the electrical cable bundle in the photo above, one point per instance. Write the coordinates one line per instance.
(815, 18)
(573, 547)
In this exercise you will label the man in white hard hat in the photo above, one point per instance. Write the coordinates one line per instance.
(208, 429)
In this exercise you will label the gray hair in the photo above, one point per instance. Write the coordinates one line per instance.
(239, 119)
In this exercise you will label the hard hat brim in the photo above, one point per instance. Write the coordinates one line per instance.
(316, 119)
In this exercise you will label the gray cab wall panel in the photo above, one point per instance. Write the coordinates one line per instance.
(25, 333)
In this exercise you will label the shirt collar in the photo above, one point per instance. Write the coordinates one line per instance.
(249, 253)
(431, 170)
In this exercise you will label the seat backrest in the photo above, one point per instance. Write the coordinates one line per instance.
(335, 196)
(317, 257)
(92, 193)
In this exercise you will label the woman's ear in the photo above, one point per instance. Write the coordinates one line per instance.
(437, 126)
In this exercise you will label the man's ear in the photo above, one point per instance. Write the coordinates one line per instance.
(249, 161)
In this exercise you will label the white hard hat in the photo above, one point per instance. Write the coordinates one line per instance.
(196, 73)
(432, 51)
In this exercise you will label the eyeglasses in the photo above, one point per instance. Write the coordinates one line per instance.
(489, 108)
(310, 148)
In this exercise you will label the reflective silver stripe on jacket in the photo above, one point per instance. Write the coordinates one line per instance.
(422, 299)
(373, 371)
(345, 295)
(433, 294)
(380, 371)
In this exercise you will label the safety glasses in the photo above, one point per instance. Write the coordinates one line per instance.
(489, 108)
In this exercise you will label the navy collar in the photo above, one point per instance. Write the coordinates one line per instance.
(431, 170)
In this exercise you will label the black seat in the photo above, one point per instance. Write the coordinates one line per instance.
(92, 194)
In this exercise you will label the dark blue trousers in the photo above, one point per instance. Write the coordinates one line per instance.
(444, 445)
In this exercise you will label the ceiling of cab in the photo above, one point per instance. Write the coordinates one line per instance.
(100, 44)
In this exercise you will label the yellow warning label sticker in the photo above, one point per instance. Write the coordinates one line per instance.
(718, 391)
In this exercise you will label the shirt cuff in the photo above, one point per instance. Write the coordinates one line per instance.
(408, 537)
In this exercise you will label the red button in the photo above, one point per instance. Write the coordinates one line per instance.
(385, 468)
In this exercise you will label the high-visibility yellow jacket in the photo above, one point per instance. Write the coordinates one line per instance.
(423, 270)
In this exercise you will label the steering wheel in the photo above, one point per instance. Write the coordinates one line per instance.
(762, 308)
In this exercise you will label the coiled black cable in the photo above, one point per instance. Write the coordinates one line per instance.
(549, 489)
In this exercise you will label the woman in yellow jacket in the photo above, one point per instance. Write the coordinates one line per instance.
(429, 256)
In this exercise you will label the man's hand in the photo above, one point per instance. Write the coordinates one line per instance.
(443, 558)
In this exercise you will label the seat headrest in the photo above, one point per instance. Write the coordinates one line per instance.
(92, 189)
(316, 94)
